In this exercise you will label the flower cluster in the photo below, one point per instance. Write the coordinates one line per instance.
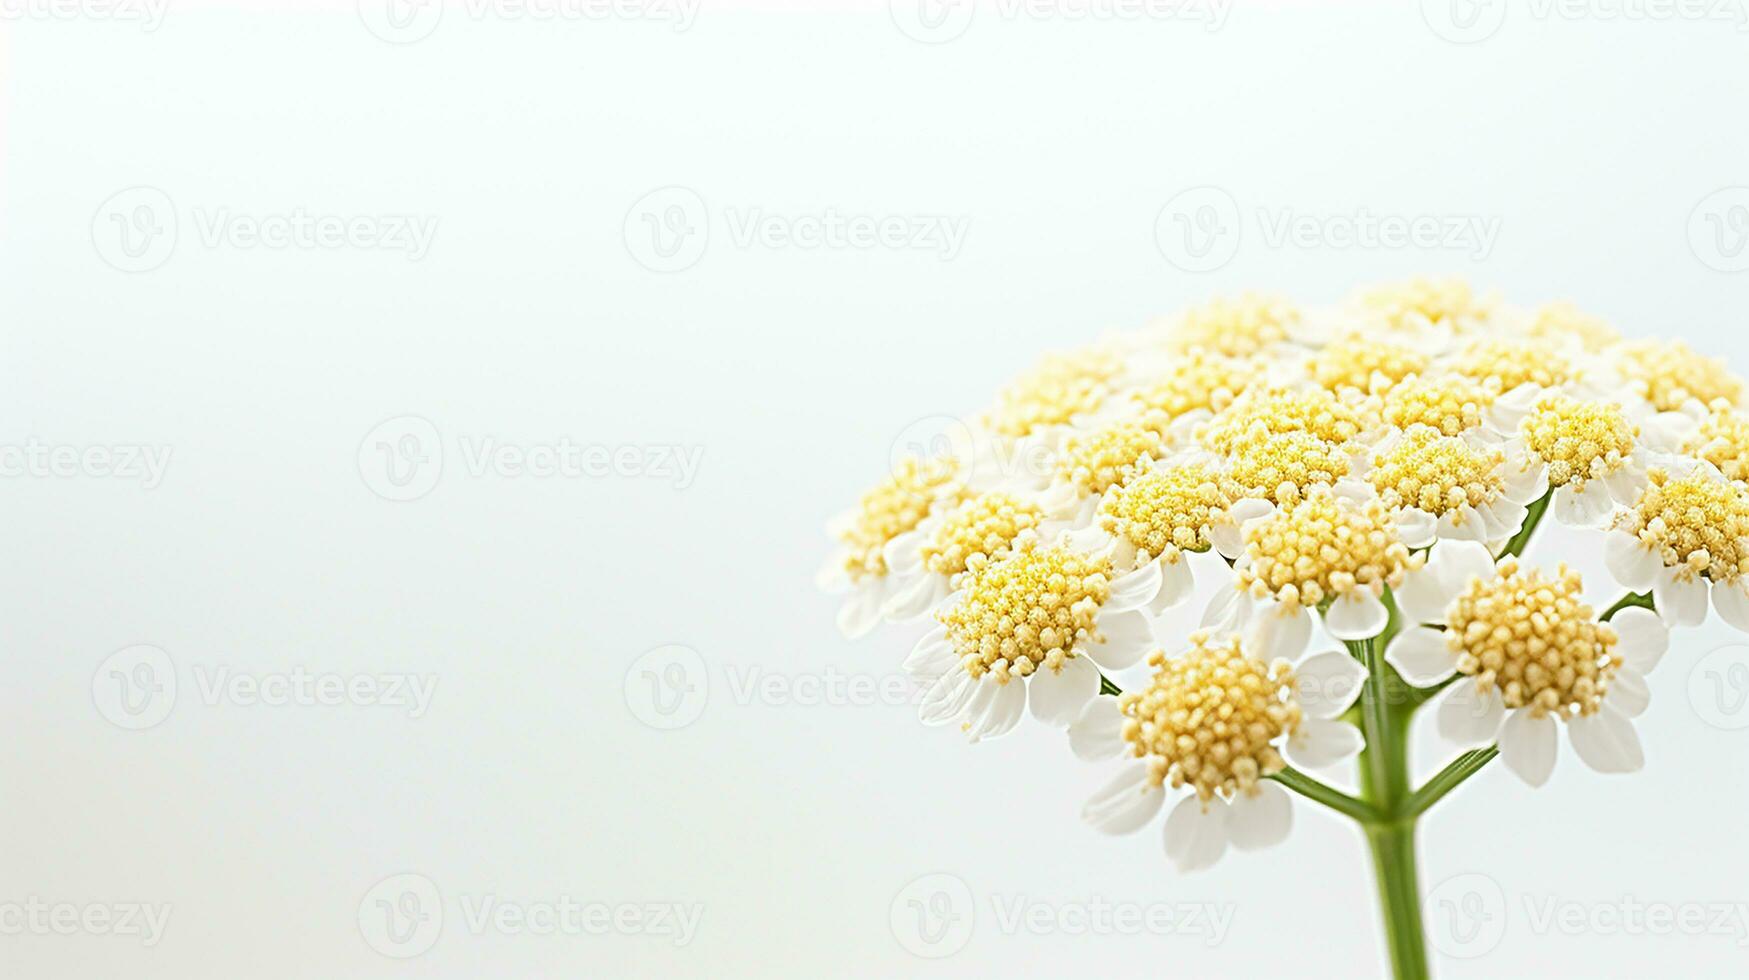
(1369, 473)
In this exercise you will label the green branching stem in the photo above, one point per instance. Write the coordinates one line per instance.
(1533, 516)
(1641, 599)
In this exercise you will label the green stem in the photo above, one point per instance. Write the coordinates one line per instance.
(1461, 768)
(1331, 797)
(1393, 861)
(1387, 704)
(1107, 687)
(1533, 516)
(1643, 599)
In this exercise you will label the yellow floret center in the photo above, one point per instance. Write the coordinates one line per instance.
(1452, 404)
(1237, 327)
(1314, 411)
(1534, 640)
(1199, 379)
(1671, 374)
(1438, 474)
(1364, 363)
(1282, 468)
(1562, 322)
(1212, 717)
(1503, 365)
(897, 505)
(982, 528)
(1323, 547)
(1034, 609)
(1164, 512)
(1054, 391)
(1095, 462)
(1578, 440)
(1419, 301)
(1722, 439)
(1695, 524)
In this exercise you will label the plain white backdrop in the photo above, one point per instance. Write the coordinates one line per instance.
(482, 354)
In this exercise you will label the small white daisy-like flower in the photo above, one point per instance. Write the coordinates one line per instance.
(1428, 313)
(924, 562)
(1087, 465)
(1361, 363)
(915, 489)
(1531, 651)
(1246, 326)
(1686, 531)
(1034, 627)
(1457, 487)
(1588, 452)
(1671, 377)
(1213, 722)
(1148, 525)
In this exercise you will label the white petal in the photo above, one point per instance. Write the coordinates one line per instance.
(1056, 697)
(1606, 741)
(1128, 638)
(995, 709)
(1628, 693)
(1260, 818)
(1134, 590)
(1462, 524)
(1625, 484)
(1225, 609)
(1126, 804)
(1421, 656)
(1423, 596)
(904, 552)
(861, 612)
(1177, 583)
(1731, 599)
(832, 578)
(1643, 637)
(1633, 564)
(947, 697)
(1196, 833)
(1460, 562)
(915, 597)
(1527, 482)
(1415, 527)
(1328, 683)
(932, 656)
(1248, 510)
(1098, 733)
(1358, 615)
(1527, 746)
(1281, 632)
(1227, 539)
(1503, 518)
(1469, 717)
(1586, 507)
(1320, 744)
(1681, 599)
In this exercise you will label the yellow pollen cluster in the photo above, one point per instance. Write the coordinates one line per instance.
(1237, 328)
(1322, 547)
(1503, 365)
(1534, 639)
(1211, 717)
(1579, 441)
(1027, 611)
(1564, 322)
(1197, 379)
(1281, 467)
(1453, 404)
(981, 528)
(1054, 391)
(1722, 439)
(1280, 410)
(897, 505)
(1363, 363)
(1165, 511)
(1095, 462)
(1436, 473)
(1672, 373)
(1404, 304)
(1695, 523)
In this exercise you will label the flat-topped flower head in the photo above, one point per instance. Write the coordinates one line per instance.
(1211, 725)
(1564, 323)
(1530, 650)
(1358, 361)
(897, 505)
(1448, 486)
(1198, 380)
(1045, 611)
(1276, 411)
(1238, 327)
(1281, 468)
(1452, 404)
(1503, 365)
(1586, 450)
(1414, 306)
(1093, 462)
(1055, 392)
(1671, 375)
(1722, 439)
(925, 561)
(1683, 532)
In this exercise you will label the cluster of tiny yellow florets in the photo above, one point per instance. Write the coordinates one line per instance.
(1534, 639)
(1165, 511)
(1566, 323)
(897, 505)
(1722, 439)
(1239, 328)
(1437, 473)
(1281, 467)
(1095, 462)
(1696, 523)
(1363, 363)
(1421, 301)
(1323, 547)
(1034, 609)
(1280, 410)
(1672, 374)
(1503, 365)
(1452, 404)
(1055, 391)
(1197, 379)
(982, 528)
(1212, 717)
(1578, 440)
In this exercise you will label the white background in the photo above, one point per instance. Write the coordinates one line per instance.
(797, 827)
